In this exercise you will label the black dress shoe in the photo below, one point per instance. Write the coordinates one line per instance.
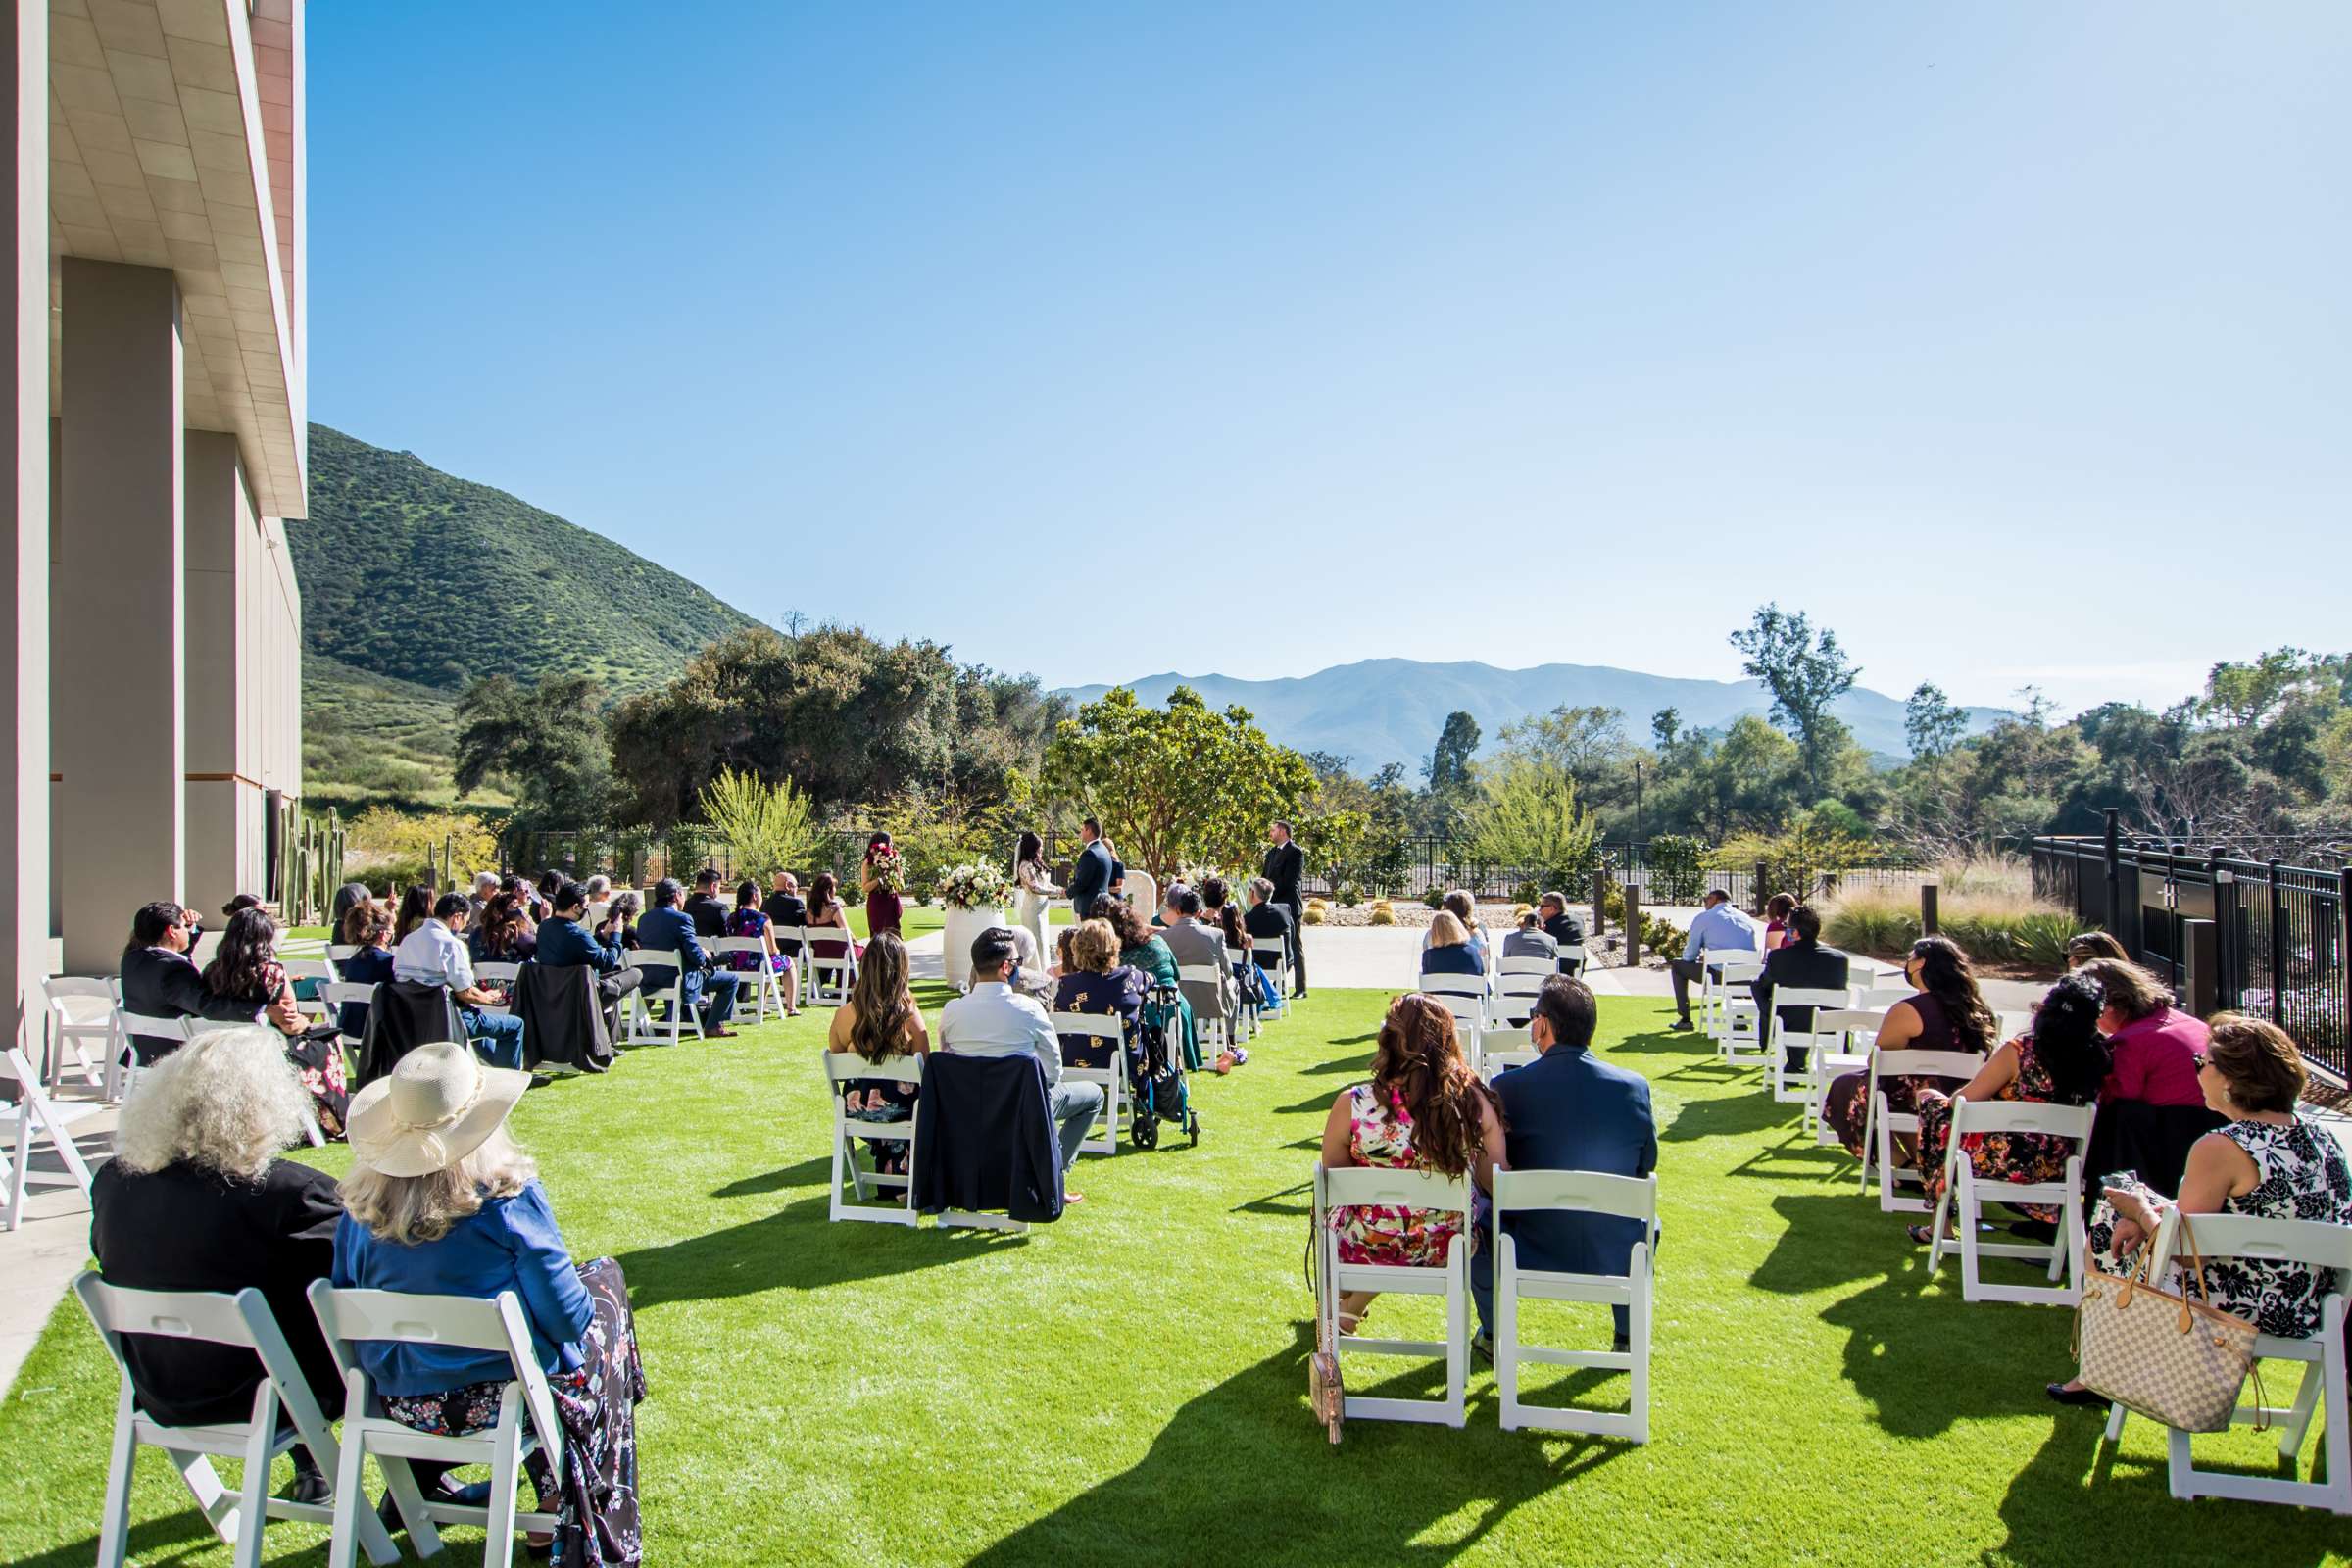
(2066, 1395)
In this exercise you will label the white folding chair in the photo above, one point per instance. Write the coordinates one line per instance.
(1518, 985)
(1589, 1193)
(1246, 1020)
(1464, 995)
(1274, 957)
(1732, 1016)
(759, 979)
(340, 952)
(1844, 1036)
(80, 1009)
(1499, 1046)
(792, 941)
(1879, 1000)
(498, 972)
(1965, 1194)
(643, 1028)
(1398, 1189)
(1105, 1027)
(314, 970)
(2306, 1241)
(1787, 1087)
(830, 980)
(123, 1072)
(1880, 1124)
(841, 1068)
(238, 1517)
(1208, 1024)
(526, 1416)
(1572, 953)
(30, 1110)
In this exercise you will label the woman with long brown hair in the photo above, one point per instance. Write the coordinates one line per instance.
(881, 1021)
(1424, 1109)
(1945, 1012)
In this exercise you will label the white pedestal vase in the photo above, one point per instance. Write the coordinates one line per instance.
(955, 941)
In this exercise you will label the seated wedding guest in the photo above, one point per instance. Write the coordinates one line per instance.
(1945, 1012)
(1141, 949)
(748, 919)
(2084, 946)
(434, 955)
(1718, 927)
(542, 899)
(619, 923)
(1265, 918)
(1194, 944)
(993, 1019)
(1255, 985)
(1465, 910)
(879, 1022)
(706, 909)
(1095, 981)
(2152, 1109)
(348, 897)
(196, 1199)
(1562, 926)
(1530, 940)
(1776, 910)
(161, 981)
(711, 992)
(245, 970)
(1798, 963)
(504, 933)
(441, 1201)
(2269, 1160)
(2060, 1061)
(238, 903)
(564, 942)
(1569, 1111)
(369, 928)
(599, 887)
(1449, 949)
(1424, 1109)
(785, 906)
(827, 911)
(486, 886)
(415, 908)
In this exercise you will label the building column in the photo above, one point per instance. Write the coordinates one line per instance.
(119, 727)
(25, 527)
(219, 560)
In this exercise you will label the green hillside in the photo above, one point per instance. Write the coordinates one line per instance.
(415, 581)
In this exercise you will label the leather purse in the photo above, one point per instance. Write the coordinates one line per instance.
(2168, 1358)
(1325, 1395)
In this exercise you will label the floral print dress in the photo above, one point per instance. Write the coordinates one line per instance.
(2023, 1158)
(2303, 1176)
(1380, 1131)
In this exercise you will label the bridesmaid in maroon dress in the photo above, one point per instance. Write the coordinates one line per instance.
(881, 897)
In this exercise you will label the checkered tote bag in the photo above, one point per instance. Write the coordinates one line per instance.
(2169, 1358)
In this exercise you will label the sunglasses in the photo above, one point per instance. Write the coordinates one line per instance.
(2200, 1060)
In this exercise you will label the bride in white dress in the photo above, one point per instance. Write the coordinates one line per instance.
(1036, 891)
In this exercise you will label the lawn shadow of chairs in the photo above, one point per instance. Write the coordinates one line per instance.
(1725, 1117)
(1272, 1202)
(1242, 1473)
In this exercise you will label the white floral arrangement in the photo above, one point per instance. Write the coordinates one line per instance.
(973, 887)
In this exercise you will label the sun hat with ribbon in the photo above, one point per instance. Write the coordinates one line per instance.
(439, 1104)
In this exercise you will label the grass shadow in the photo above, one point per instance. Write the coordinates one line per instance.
(795, 1248)
(1272, 1202)
(1725, 1117)
(776, 1181)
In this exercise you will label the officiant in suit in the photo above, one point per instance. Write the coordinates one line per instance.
(1285, 865)
(1091, 877)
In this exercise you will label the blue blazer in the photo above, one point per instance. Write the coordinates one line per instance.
(671, 930)
(1570, 1111)
(1090, 878)
(565, 944)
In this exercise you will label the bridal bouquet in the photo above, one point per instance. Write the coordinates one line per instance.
(973, 887)
(889, 867)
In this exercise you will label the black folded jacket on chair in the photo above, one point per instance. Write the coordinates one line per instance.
(402, 1016)
(984, 1138)
(562, 1018)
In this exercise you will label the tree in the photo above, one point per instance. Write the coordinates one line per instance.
(1584, 743)
(1806, 673)
(1932, 722)
(1182, 785)
(767, 827)
(1447, 771)
(1664, 725)
(547, 742)
(1526, 819)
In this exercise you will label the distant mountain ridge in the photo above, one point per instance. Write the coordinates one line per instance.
(1382, 711)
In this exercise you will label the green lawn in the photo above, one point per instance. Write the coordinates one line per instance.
(1128, 1385)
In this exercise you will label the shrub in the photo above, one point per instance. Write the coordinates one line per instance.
(1676, 868)
(1663, 937)
(1348, 895)
(1382, 915)
(1314, 915)
(1987, 908)
(1433, 897)
(767, 827)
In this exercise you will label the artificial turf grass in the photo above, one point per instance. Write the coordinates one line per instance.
(1130, 1381)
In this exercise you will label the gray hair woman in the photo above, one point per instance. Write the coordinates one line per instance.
(196, 1199)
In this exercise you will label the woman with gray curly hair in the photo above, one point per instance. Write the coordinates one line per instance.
(196, 1199)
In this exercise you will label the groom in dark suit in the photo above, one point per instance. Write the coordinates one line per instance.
(1285, 865)
(1091, 877)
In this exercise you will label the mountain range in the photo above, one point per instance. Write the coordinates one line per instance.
(1382, 711)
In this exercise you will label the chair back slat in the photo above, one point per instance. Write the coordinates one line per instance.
(2020, 1116)
(466, 1322)
(1394, 1189)
(209, 1316)
(1534, 967)
(841, 1066)
(1804, 996)
(1589, 1191)
(1096, 1025)
(2273, 1241)
(1960, 1065)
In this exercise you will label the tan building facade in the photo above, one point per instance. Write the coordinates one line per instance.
(152, 440)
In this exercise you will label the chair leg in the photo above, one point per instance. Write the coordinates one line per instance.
(498, 1542)
(2307, 1403)
(253, 1500)
(2115, 1423)
(1638, 1321)
(1457, 1338)
(351, 1500)
(2179, 1474)
(408, 1499)
(2337, 1438)
(113, 1526)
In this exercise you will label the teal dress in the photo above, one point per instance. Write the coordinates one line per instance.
(1158, 965)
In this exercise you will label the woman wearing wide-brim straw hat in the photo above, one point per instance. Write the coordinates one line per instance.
(441, 1201)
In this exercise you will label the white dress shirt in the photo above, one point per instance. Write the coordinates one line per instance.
(432, 955)
(995, 1021)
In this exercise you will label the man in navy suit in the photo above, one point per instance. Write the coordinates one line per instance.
(1091, 877)
(666, 928)
(1569, 1111)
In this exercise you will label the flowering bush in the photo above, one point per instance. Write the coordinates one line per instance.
(980, 886)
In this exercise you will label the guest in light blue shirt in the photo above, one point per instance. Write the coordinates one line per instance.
(1719, 927)
(995, 1021)
(434, 955)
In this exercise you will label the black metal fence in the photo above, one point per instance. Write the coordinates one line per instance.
(2281, 934)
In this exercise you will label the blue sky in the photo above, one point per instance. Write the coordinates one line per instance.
(2013, 341)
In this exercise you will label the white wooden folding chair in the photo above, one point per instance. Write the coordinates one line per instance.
(1572, 953)
(238, 1517)
(1404, 1188)
(759, 979)
(1499, 1046)
(1106, 1028)
(1879, 999)
(841, 1068)
(1518, 985)
(318, 970)
(526, 1416)
(2305, 1240)
(830, 980)
(1880, 1124)
(1588, 1192)
(1463, 995)
(1844, 1034)
(1732, 1016)
(498, 972)
(340, 952)
(80, 1014)
(123, 1072)
(1793, 1087)
(642, 1027)
(25, 1113)
(1208, 1026)
(1274, 957)
(1965, 1194)
(792, 941)
(1247, 1019)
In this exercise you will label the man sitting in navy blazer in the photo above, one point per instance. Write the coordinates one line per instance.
(1568, 1110)
(666, 928)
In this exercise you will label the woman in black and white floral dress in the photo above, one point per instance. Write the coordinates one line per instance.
(2271, 1161)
